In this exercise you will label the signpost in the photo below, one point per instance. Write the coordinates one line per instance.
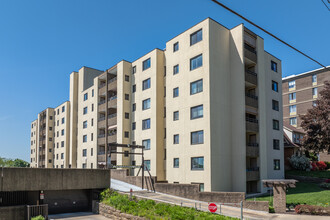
(213, 207)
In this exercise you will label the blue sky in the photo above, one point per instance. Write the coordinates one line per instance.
(43, 41)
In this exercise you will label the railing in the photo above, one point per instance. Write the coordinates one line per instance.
(112, 80)
(252, 144)
(36, 210)
(112, 115)
(102, 85)
(253, 120)
(251, 96)
(252, 169)
(101, 135)
(102, 102)
(251, 73)
(112, 98)
(102, 118)
(112, 133)
(249, 48)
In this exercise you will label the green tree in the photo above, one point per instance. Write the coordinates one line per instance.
(316, 123)
(4, 162)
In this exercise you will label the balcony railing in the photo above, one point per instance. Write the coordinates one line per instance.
(112, 80)
(251, 96)
(251, 73)
(253, 120)
(102, 118)
(249, 48)
(101, 102)
(102, 85)
(252, 144)
(112, 133)
(112, 115)
(112, 98)
(101, 135)
(252, 169)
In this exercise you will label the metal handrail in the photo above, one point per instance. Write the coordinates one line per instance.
(251, 72)
(102, 85)
(251, 96)
(112, 98)
(252, 169)
(101, 102)
(112, 115)
(253, 120)
(112, 80)
(102, 118)
(249, 48)
(101, 135)
(252, 144)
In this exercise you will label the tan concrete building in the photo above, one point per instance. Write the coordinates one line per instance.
(299, 94)
(207, 110)
(34, 143)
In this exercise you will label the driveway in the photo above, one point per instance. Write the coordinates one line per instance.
(78, 216)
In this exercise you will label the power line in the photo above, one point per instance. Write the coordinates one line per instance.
(326, 4)
(267, 32)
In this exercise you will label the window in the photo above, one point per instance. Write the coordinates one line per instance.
(85, 111)
(57, 144)
(292, 109)
(276, 144)
(85, 124)
(92, 137)
(176, 163)
(56, 156)
(176, 69)
(196, 112)
(50, 117)
(85, 138)
(62, 132)
(146, 84)
(58, 122)
(62, 155)
(146, 64)
(134, 69)
(49, 161)
(314, 91)
(196, 37)
(292, 96)
(133, 125)
(92, 122)
(275, 105)
(293, 121)
(314, 103)
(133, 107)
(197, 137)
(133, 88)
(145, 104)
(146, 124)
(50, 139)
(126, 134)
(314, 78)
(50, 128)
(164, 91)
(62, 143)
(176, 46)
(84, 152)
(176, 92)
(274, 86)
(92, 107)
(63, 108)
(50, 150)
(197, 163)
(127, 78)
(126, 115)
(196, 87)
(85, 96)
(84, 165)
(147, 164)
(92, 92)
(175, 115)
(276, 124)
(63, 120)
(292, 84)
(126, 96)
(176, 138)
(196, 62)
(146, 144)
(274, 66)
(276, 164)
(58, 111)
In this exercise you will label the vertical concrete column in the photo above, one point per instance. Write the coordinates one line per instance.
(279, 200)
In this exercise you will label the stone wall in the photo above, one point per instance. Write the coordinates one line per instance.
(257, 205)
(113, 213)
(306, 178)
(12, 212)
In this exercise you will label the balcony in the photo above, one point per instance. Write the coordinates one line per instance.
(112, 102)
(112, 84)
(250, 53)
(101, 157)
(101, 122)
(251, 77)
(252, 125)
(102, 106)
(252, 150)
(112, 119)
(112, 136)
(252, 174)
(251, 100)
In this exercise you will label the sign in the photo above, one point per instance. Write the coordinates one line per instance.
(213, 207)
(42, 196)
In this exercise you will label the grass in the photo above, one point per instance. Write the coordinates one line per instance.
(304, 193)
(319, 174)
(150, 210)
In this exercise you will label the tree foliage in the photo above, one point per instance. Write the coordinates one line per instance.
(316, 123)
(13, 163)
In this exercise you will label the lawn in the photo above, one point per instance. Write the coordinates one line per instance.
(308, 193)
(320, 174)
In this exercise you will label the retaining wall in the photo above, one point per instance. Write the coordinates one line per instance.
(113, 213)
(13, 213)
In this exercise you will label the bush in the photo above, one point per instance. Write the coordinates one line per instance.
(328, 164)
(314, 166)
(39, 217)
(299, 162)
(327, 181)
(312, 210)
(325, 185)
(321, 165)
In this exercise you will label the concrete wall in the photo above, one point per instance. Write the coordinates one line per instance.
(13, 213)
(31, 179)
(33, 143)
(74, 76)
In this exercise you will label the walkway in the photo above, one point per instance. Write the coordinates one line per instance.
(78, 216)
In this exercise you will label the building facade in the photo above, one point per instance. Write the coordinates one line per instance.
(206, 108)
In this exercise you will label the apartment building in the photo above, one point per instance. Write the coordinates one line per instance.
(34, 142)
(206, 108)
(299, 94)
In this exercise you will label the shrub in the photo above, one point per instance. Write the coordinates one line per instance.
(299, 162)
(328, 164)
(325, 185)
(314, 166)
(39, 217)
(321, 165)
(327, 181)
(312, 209)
